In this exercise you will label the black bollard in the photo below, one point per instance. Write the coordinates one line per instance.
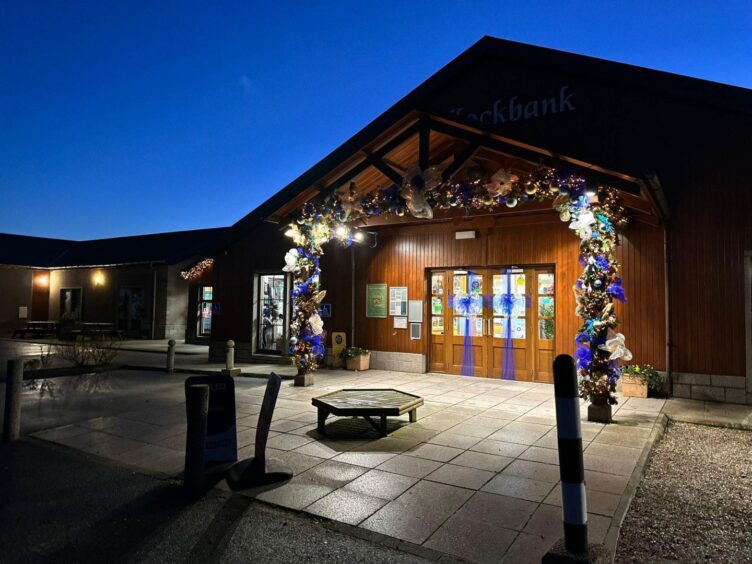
(12, 415)
(260, 470)
(571, 471)
(197, 411)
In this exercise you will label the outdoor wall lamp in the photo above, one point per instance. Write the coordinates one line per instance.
(42, 280)
(98, 279)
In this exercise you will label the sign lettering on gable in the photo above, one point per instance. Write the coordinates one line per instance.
(516, 109)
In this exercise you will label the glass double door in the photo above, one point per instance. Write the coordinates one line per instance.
(493, 322)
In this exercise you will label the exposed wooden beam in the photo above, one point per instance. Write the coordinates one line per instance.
(424, 146)
(476, 138)
(656, 194)
(365, 163)
(626, 184)
(459, 161)
(385, 169)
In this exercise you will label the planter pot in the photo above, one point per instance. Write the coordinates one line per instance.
(362, 362)
(599, 410)
(303, 378)
(634, 387)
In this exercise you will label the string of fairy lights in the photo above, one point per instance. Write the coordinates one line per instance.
(197, 269)
(594, 213)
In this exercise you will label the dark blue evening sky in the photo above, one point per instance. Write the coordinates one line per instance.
(133, 117)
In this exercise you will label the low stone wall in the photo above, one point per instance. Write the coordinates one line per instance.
(711, 387)
(401, 362)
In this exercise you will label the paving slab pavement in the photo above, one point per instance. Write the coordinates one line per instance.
(61, 505)
(481, 457)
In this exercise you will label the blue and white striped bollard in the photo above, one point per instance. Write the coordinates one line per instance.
(571, 469)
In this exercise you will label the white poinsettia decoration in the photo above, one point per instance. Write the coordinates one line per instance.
(562, 206)
(583, 224)
(615, 345)
(291, 260)
(415, 183)
(422, 179)
(501, 183)
(317, 324)
(351, 203)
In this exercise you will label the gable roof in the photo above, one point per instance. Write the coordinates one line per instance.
(721, 96)
(169, 248)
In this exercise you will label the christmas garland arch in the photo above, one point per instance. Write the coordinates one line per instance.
(595, 214)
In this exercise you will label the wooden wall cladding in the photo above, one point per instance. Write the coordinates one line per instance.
(711, 230)
(403, 256)
(263, 250)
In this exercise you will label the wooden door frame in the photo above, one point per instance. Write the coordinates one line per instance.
(531, 318)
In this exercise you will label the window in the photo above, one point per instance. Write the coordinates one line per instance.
(509, 304)
(546, 311)
(70, 304)
(272, 312)
(437, 303)
(204, 313)
(130, 308)
(467, 304)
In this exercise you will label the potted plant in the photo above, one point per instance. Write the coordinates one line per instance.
(642, 381)
(599, 390)
(356, 358)
(634, 383)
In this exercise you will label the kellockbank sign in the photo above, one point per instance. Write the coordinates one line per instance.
(506, 110)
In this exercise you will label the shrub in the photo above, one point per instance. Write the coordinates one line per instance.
(647, 375)
(352, 352)
(82, 352)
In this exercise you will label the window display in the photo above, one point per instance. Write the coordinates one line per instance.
(437, 306)
(437, 284)
(271, 312)
(546, 283)
(463, 325)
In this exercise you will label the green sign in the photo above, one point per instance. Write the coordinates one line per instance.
(376, 300)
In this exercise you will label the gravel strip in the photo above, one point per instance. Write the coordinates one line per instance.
(695, 499)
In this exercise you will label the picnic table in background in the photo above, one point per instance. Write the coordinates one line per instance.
(37, 329)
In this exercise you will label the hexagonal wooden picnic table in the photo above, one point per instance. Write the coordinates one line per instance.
(367, 403)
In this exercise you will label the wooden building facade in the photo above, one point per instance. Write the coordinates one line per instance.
(674, 147)
(129, 285)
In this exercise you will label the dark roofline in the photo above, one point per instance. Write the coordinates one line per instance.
(723, 96)
(71, 246)
(72, 241)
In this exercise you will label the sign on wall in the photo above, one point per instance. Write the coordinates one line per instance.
(516, 108)
(376, 300)
(415, 331)
(325, 310)
(339, 342)
(415, 311)
(398, 300)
